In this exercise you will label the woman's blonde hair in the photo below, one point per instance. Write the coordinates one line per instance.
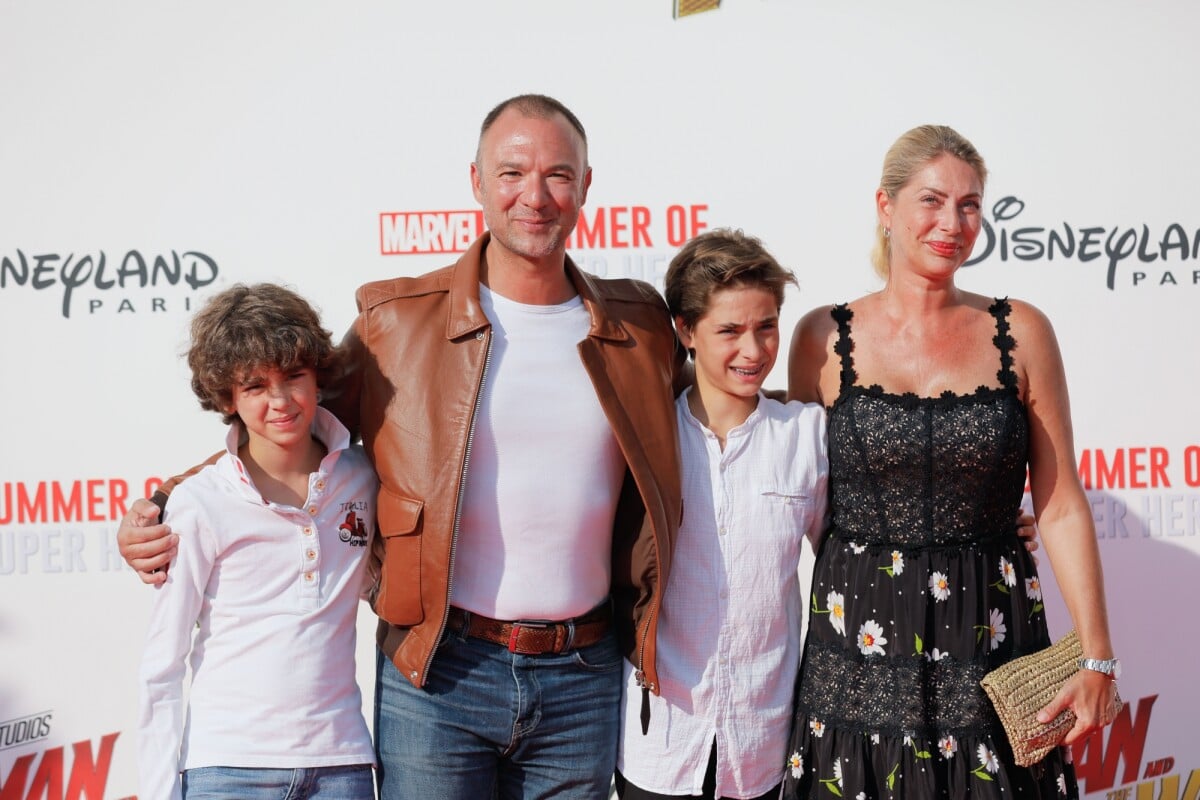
(910, 153)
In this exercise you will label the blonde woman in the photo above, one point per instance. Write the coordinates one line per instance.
(938, 402)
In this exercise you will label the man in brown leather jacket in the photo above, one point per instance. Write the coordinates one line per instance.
(519, 415)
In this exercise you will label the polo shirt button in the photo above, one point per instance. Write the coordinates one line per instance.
(308, 530)
(308, 576)
(312, 511)
(310, 554)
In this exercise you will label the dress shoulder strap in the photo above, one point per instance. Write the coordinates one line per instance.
(844, 345)
(1004, 342)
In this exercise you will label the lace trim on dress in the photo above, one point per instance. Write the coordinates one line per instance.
(1005, 343)
(844, 345)
(896, 696)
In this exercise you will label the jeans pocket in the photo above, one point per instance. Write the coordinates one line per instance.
(600, 658)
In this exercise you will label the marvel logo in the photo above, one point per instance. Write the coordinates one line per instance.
(408, 232)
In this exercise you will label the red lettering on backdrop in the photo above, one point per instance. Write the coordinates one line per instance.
(1125, 468)
(118, 493)
(67, 508)
(618, 225)
(1191, 466)
(698, 224)
(1136, 468)
(89, 776)
(612, 226)
(31, 509)
(95, 500)
(641, 222)
(590, 235)
(1096, 763)
(1158, 467)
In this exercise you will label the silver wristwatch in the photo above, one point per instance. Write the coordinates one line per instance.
(1109, 666)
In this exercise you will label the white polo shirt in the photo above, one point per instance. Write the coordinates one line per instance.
(265, 598)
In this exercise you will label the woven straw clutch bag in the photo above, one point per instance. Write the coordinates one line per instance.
(1020, 688)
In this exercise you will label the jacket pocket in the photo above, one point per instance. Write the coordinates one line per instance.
(400, 527)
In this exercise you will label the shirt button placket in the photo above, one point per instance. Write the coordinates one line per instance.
(310, 550)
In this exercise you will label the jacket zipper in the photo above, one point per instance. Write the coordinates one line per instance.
(462, 488)
(639, 675)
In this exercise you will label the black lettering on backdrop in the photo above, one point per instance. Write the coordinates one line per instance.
(44, 271)
(1116, 243)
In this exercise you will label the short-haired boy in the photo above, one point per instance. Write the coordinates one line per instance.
(754, 485)
(264, 591)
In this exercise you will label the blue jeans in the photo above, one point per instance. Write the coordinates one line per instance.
(493, 724)
(352, 782)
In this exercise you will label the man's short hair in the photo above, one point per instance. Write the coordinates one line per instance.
(539, 106)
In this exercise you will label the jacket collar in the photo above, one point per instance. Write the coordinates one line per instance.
(466, 314)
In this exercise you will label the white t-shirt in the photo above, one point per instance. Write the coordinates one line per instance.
(544, 472)
(729, 635)
(270, 594)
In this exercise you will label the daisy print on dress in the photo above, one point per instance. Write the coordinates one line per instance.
(795, 763)
(897, 565)
(1033, 590)
(870, 638)
(837, 612)
(995, 629)
(834, 784)
(817, 727)
(988, 762)
(836, 609)
(947, 746)
(1008, 576)
(917, 751)
(939, 586)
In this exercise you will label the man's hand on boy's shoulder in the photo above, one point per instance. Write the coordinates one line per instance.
(146, 544)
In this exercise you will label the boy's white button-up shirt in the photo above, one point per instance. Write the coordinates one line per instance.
(729, 636)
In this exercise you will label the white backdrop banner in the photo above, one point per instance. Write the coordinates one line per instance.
(154, 153)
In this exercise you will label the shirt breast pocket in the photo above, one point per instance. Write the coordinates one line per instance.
(787, 497)
(786, 509)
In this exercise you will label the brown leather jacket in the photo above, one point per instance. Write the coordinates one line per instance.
(416, 358)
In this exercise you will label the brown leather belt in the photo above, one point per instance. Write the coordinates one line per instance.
(534, 637)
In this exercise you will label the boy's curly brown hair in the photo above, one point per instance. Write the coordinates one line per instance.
(246, 328)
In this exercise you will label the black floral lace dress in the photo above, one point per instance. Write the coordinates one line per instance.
(920, 588)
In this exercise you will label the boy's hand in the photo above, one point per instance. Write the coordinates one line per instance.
(146, 545)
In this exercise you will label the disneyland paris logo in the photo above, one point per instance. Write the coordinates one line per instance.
(1132, 256)
(115, 285)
